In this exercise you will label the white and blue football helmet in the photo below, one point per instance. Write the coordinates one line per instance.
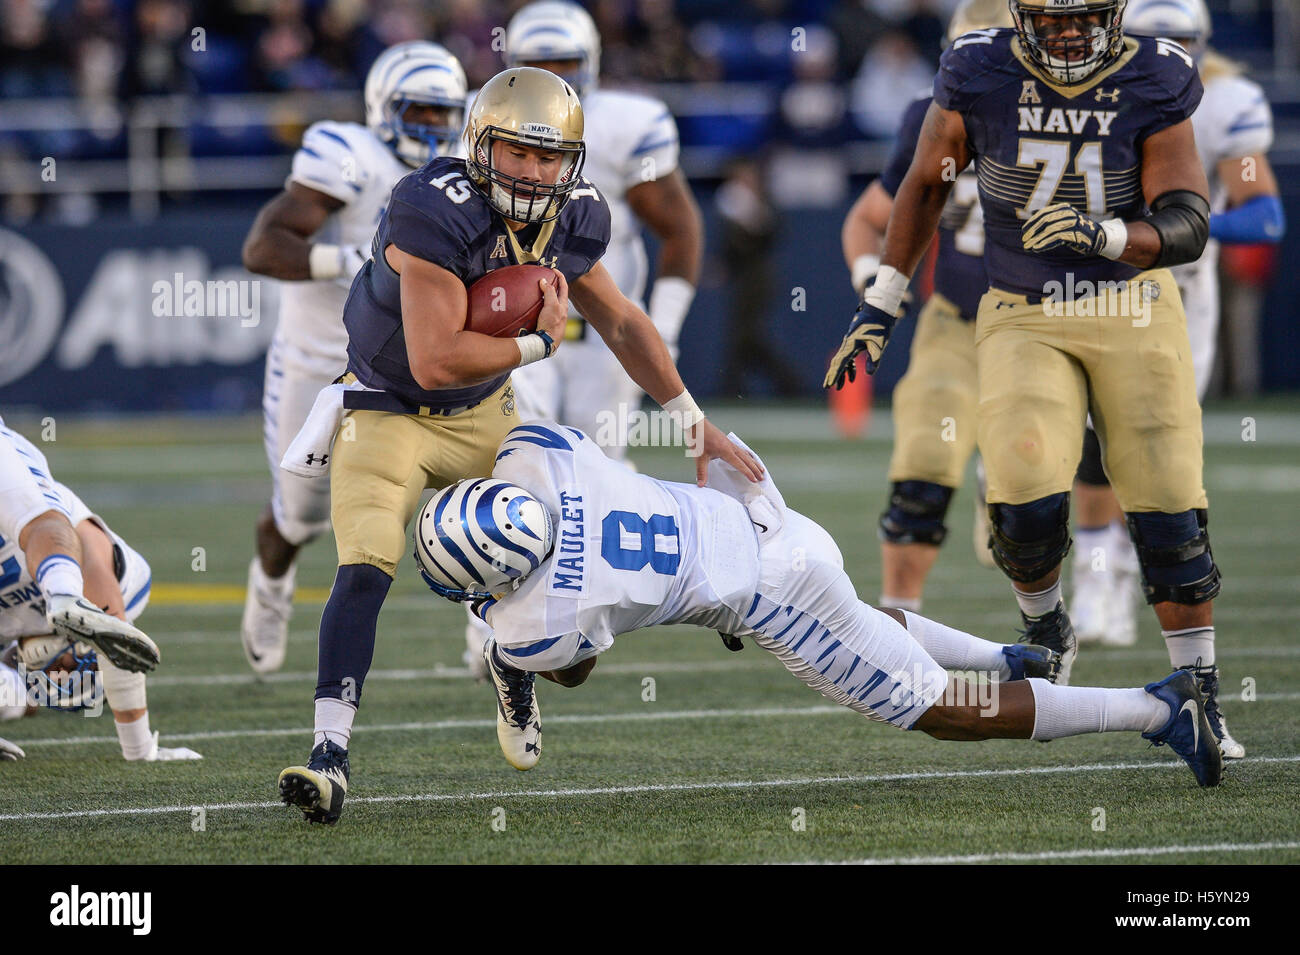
(1187, 21)
(65, 672)
(556, 30)
(481, 537)
(416, 73)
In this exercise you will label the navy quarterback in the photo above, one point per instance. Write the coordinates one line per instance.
(1089, 181)
(433, 400)
(314, 236)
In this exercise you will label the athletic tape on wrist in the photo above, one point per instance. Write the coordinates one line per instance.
(532, 347)
(325, 261)
(888, 290)
(685, 407)
(670, 300)
(1116, 241)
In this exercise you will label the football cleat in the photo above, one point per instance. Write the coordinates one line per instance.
(1188, 732)
(1207, 681)
(1027, 660)
(78, 619)
(1091, 595)
(1055, 632)
(264, 629)
(519, 722)
(319, 787)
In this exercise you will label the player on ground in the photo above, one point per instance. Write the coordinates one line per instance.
(59, 564)
(1075, 130)
(563, 550)
(632, 149)
(934, 403)
(438, 401)
(1234, 130)
(315, 235)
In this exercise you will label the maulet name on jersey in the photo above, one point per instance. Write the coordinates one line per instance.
(570, 545)
(1033, 120)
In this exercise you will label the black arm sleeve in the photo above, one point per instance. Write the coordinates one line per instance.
(1182, 220)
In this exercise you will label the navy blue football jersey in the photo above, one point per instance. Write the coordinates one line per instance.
(435, 213)
(959, 274)
(1036, 142)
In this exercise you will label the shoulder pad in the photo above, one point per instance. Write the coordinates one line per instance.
(332, 160)
(586, 222)
(1165, 75)
(973, 65)
(436, 213)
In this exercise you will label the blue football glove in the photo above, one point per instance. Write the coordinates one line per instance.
(1062, 226)
(868, 332)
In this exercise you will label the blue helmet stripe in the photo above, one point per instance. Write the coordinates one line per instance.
(450, 545)
(487, 523)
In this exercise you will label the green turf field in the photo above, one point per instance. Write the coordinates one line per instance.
(729, 759)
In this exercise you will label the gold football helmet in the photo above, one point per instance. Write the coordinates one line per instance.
(1095, 36)
(527, 107)
(978, 15)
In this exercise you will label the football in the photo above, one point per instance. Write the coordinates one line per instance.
(507, 300)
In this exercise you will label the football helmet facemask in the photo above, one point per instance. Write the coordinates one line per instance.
(554, 30)
(1069, 40)
(66, 671)
(525, 107)
(415, 74)
(481, 537)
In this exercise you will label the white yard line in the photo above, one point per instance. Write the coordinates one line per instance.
(1231, 847)
(725, 784)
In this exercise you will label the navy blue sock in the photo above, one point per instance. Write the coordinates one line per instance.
(347, 631)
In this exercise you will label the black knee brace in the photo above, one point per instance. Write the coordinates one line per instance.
(915, 514)
(1029, 540)
(1090, 470)
(1174, 552)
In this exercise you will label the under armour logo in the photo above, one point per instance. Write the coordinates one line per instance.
(1005, 305)
(311, 459)
(547, 262)
(1104, 97)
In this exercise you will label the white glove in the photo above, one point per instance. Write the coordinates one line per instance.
(158, 754)
(8, 751)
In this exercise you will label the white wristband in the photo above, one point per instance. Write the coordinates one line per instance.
(325, 261)
(531, 348)
(864, 267)
(888, 291)
(684, 407)
(1116, 233)
(670, 300)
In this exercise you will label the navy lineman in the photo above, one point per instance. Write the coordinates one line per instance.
(1076, 132)
(434, 400)
(561, 550)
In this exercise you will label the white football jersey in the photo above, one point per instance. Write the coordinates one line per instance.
(630, 551)
(350, 163)
(1233, 120)
(630, 139)
(22, 603)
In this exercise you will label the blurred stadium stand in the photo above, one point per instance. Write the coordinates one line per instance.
(146, 133)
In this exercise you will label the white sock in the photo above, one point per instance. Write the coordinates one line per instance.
(1122, 551)
(334, 721)
(276, 585)
(954, 649)
(136, 740)
(1088, 543)
(60, 574)
(1043, 602)
(1191, 647)
(901, 603)
(1061, 711)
